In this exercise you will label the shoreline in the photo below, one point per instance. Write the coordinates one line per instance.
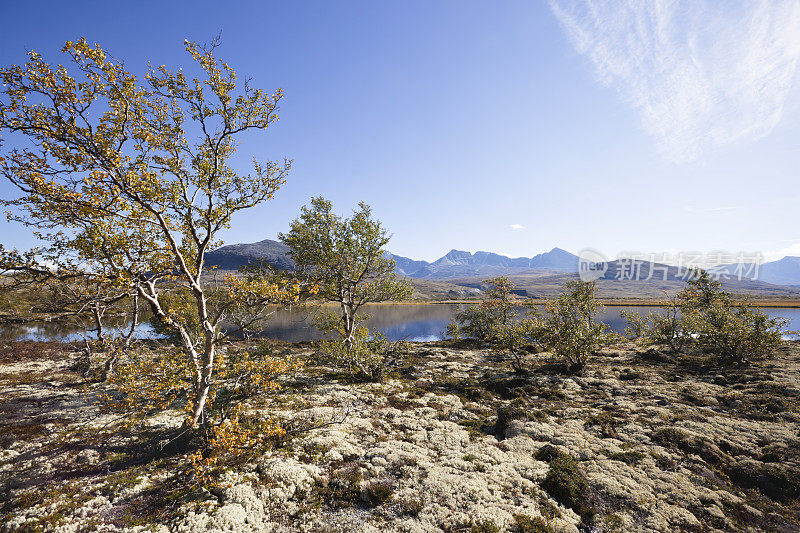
(609, 302)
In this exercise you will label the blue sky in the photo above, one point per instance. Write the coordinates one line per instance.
(511, 127)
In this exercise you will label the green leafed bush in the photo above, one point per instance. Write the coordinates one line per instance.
(569, 330)
(565, 482)
(708, 319)
(498, 321)
(665, 329)
(366, 356)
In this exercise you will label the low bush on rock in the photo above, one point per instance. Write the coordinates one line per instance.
(629, 457)
(485, 526)
(605, 422)
(526, 524)
(497, 320)
(343, 487)
(566, 483)
(708, 319)
(518, 409)
(568, 329)
(778, 482)
(379, 491)
(671, 437)
(411, 506)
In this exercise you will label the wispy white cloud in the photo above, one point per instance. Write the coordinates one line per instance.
(719, 210)
(701, 74)
(517, 226)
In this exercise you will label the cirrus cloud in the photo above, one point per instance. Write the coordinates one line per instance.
(700, 74)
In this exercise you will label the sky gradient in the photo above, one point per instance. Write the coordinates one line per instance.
(510, 127)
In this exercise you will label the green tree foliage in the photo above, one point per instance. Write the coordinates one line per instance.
(706, 318)
(494, 313)
(569, 328)
(366, 356)
(345, 260)
(732, 331)
(665, 328)
(498, 320)
(130, 180)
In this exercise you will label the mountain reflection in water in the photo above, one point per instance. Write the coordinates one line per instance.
(412, 322)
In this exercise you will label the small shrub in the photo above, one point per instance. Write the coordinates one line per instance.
(735, 334)
(343, 487)
(778, 482)
(605, 422)
(547, 453)
(629, 457)
(666, 328)
(411, 506)
(565, 482)
(706, 318)
(569, 329)
(495, 320)
(345, 261)
(670, 437)
(484, 526)
(476, 427)
(495, 310)
(380, 491)
(368, 353)
(525, 524)
(613, 523)
(517, 409)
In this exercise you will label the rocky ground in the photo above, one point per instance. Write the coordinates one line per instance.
(452, 441)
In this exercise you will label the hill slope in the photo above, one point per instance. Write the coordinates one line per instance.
(458, 273)
(235, 256)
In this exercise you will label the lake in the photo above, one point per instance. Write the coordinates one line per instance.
(413, 322)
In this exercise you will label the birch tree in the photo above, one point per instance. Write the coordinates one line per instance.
(133, 179)
(345, 259)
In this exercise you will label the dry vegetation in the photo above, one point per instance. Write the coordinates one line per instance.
(643, 441)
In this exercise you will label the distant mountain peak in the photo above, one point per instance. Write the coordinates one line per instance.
(235, 256)
(463, 264)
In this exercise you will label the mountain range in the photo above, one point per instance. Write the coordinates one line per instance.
(784, 271)
(457, 263)
(461, 265)
(235, 256)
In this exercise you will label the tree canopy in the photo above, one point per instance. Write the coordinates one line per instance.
(131, 180)
(345, 258)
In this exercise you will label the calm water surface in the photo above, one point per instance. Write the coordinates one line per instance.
(411, 322)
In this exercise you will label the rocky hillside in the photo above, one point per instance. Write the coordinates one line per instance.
(462, 272)
(235, 256)
(785, 271)
(546, 284)
(453, 264)
(457, 263)
(643, 441)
